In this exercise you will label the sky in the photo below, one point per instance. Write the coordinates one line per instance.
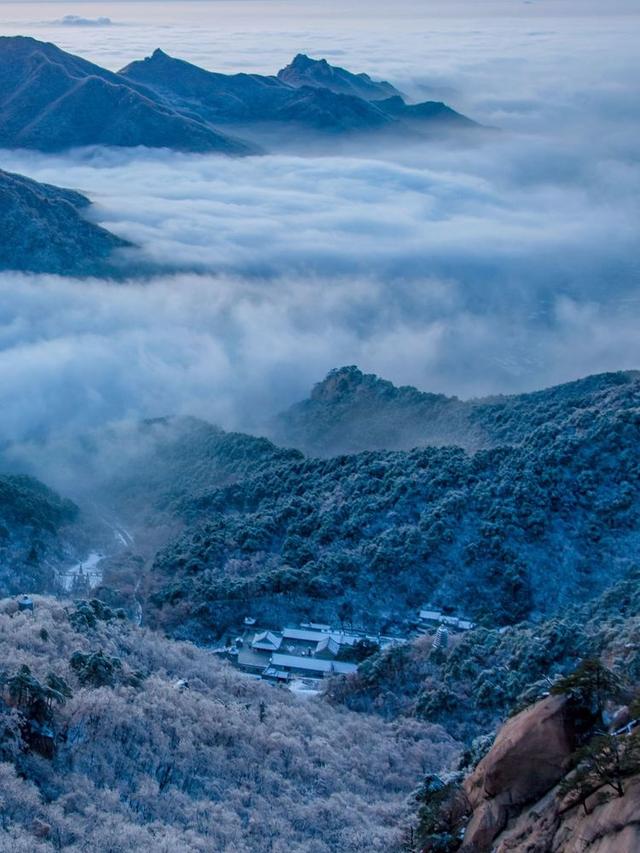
(497, 268)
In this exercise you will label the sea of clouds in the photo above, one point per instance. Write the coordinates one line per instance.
(504, 266)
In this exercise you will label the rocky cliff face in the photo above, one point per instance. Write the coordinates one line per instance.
(517, 805)
(544, 827)
(530, 755)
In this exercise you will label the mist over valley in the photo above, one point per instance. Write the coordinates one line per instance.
(319, 412)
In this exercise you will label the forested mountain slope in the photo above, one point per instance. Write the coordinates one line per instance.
(118, 739)
(132, 481)
(504, 534)
(147, 470)
(44, 230)
(226, 523)
(483, 675)
(350, 411)
(33, 520)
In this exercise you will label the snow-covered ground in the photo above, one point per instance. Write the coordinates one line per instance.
(90, 567)
(304, 687)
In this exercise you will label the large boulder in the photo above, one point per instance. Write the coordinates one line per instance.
(530, 755)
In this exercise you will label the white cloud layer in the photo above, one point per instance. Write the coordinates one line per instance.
(504, 267)
(76, 355)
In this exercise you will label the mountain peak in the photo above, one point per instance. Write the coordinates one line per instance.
(302, 60)
(339, 383)
(350, 385)
(44, 105)
(305, 71)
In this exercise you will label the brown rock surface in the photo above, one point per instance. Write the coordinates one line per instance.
(487, 821)
(530, 755)
(612, 827)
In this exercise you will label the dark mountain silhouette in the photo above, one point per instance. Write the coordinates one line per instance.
(304, 71)
(51, 100)
(434, 112)
(250, 99)
(44, 230)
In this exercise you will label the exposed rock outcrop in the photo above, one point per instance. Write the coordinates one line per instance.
(612, 826)
(530, 755)
(518, 806)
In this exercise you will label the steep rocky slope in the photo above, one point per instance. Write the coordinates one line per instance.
(518, 800)
(563, 776)
(612, 826)
(44, 229)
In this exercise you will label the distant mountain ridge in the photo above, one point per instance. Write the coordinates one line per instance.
(309, 93)
(350, 411)
(304, 71)
(44, 230)
(233, 98)
(51, 100)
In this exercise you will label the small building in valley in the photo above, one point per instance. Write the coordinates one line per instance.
(312, 667)
(328, 648)
(310, 652)
(433, 616)
(266, 641)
